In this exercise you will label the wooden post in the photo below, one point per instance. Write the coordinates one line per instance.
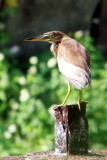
(71, 129)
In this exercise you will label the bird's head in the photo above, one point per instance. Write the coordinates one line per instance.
(51, 37)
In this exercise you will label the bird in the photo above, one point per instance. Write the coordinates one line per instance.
(72, 58)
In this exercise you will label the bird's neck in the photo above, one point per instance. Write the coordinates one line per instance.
(54, 48)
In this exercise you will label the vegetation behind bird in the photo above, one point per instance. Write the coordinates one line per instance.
(26, 119)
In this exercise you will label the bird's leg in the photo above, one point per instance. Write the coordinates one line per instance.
(67, 95)
(79, 101)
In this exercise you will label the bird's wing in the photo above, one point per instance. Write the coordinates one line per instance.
(74, 53)
(77, 76)
(73, 63)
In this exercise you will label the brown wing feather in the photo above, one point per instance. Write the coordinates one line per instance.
(74, 53)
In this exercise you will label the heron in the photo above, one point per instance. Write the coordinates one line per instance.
(72, 58)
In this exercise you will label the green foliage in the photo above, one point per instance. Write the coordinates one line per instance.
(26, 115)
(25, 121)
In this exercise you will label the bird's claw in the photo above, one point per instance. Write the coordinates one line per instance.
(79, 104)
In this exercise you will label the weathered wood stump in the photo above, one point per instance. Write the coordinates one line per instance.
(71, 129)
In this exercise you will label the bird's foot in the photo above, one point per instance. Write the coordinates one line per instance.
(60, 105)
(57, 105)
(79, 103)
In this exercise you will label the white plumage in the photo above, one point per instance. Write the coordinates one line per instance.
(77, 76)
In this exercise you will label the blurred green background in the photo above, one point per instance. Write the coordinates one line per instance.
(30, 86)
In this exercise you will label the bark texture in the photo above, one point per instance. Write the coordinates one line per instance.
(71, 129)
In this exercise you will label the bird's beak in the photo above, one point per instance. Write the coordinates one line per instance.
(38, 38)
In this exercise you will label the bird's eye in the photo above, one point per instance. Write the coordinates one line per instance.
(51, 35)
(48, 36)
